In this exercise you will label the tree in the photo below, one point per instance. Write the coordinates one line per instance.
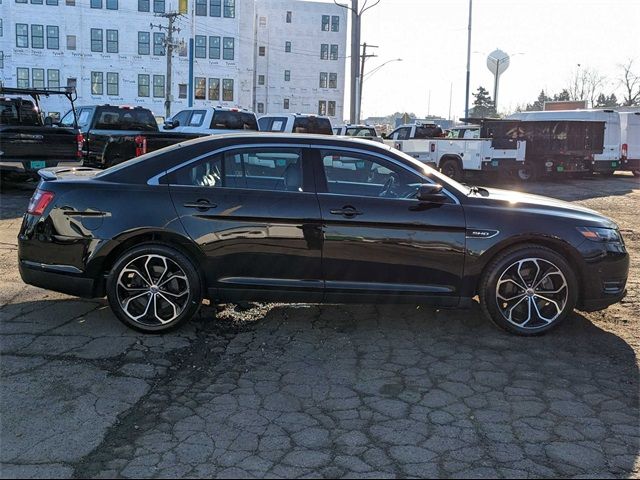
(539, 103)
(563, 96)
(483, 105)
(604, 101)
(630, 84)
(584, 84)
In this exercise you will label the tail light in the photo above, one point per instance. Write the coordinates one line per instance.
(40, 201)
(141, 145)
(624, 151)
(80, 143)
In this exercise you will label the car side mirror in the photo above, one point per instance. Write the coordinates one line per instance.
(430, 192)
(171, 124)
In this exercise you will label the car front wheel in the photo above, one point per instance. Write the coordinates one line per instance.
(153, 288)
(528, 290)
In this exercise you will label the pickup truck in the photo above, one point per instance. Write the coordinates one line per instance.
(454, 156)
(113, 134)
(29, 142)
(211, 120)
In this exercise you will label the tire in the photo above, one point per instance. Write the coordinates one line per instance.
(173, 296)
(636, 173)
(527, 173)
(607, 174)
(452, 169)
(522, 311)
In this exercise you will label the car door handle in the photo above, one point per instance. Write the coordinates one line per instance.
(347, 211)
(202, 205)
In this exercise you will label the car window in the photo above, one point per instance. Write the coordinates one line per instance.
(8, 113)
(265, 169)
(273, 124)
(181, 117)
(125, 119)
(321, 126)
(361, 175)
(197, 117)
(206, 173)
(402, 133)
(84, 117)
(233, 120)
(428, 131)
(361, 132)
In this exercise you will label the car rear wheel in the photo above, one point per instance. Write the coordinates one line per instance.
(527, 173)
(153, 288)
(528, 290)
(452, 169)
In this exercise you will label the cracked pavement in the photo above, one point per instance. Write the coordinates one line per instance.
(318, 390)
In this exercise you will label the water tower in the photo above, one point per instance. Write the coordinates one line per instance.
(497, 63)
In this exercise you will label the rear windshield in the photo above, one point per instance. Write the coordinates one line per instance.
(273, 124)
(125, 119)
(16, 112)
(227, 120)
(317, 125)
(361, 132)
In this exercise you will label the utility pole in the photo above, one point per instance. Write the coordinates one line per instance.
(466, 96)
(169, 44)
(361, 79)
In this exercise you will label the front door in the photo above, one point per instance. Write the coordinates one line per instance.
(379, 240)
(254, 213)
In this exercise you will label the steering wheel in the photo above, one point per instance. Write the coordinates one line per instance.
(387, 188)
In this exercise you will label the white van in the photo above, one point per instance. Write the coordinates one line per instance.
(630, 139)
(610, 158)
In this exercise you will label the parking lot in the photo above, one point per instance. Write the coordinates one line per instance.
(322, 391)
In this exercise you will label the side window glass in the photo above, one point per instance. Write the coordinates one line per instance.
(360, 175)
(206, 173)
(182, 118)
(265, 169)
(197, 117)
(403, 134)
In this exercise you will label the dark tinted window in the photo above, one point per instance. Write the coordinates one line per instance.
(207, 173)
(16, 112)
(125, 119)
(360, 175)
(429, 131)
(228, 120)
(317, 125)
(181, 117)
(402, 133)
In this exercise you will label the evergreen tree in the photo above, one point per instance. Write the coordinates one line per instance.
(604, 101)
(483, 105)
(539, 103)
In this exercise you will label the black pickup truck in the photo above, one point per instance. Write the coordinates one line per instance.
(113, 134)
(29, 142)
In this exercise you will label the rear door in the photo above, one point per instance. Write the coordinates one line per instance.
(379, 240)
(254, 213)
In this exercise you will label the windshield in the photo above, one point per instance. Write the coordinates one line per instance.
(360, 132)
(317, 125)
(19, 112)
(229, 120)
(124, 119)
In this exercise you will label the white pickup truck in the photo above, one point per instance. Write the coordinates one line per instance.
(454, 156)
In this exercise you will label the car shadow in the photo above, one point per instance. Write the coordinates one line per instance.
(426, 388)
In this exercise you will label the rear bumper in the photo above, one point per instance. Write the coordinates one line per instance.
(631, 164)
(606, 165)
(59, 278)
(501, 164)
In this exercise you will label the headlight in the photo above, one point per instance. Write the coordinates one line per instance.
(595, 234)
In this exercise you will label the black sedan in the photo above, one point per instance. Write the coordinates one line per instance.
(303, 218)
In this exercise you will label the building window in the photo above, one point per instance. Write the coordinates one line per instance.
(260, 107)
(182, 90)
(1, 30)
(1, 59)
(201, 8)
(201, 87)
(112, 5)
(71, 42)
(335, 23)
(285, 104)
(22, 35)
(96, 40)
(53, 78)
(72, 82)
(324, 51)
(260, 79)
(323, 79)
(158, 6)
(23, 78)
(214, 89)
(182, 48)
(112, 41)
(37, 36)
(229, 12)
(228, 48)
(334, 52)
(331, 109)
(96, 3)
(144, 40)
(287, 47)
(288, 17)
(97, 87)
(215, 8)
(322, 107)
(143, 5)
(158, 86)
(71, 3)
(227, 90)
(50, 2)
(287, 75)
(53, 37)
(214, 48)
(262, 51)
(326, 19)
(201, 46)
(113, 86)
(36, 2)
(143, 85)
(158, 43)
(333, 80)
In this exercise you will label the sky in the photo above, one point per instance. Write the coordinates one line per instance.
(546, 39)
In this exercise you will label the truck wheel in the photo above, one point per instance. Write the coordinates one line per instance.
(636, 173)
(527, 173)
(451, 168)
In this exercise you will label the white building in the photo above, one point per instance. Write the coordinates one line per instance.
(114, 51)
(300, 58)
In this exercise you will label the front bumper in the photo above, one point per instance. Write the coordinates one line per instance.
(604, 275)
